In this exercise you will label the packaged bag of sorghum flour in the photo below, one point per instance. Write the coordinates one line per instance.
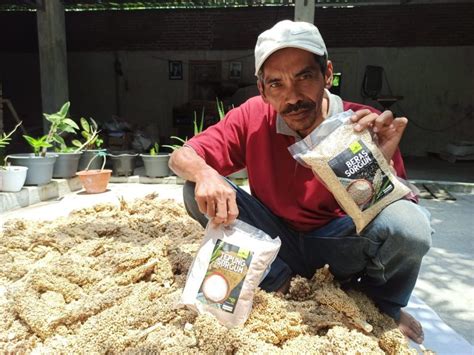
(351, 166)
(229, 266)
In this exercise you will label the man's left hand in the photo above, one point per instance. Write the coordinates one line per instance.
(389, 130)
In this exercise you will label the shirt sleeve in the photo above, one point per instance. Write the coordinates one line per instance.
(223, 145)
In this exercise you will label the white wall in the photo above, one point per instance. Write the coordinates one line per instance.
(146, 95)
(437, 84)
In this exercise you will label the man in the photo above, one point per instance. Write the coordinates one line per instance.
(287, 200)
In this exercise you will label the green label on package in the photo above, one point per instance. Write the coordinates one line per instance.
(359, 172)
(225, 276)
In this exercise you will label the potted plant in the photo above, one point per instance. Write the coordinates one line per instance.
(123, 163)
(241, 174)
(41, 164)
(156, 164)
(91, 146)
(68, 157)
(198, 128)
(12, 178)
(96, 180)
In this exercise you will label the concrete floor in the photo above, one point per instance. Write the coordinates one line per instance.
(446, 280)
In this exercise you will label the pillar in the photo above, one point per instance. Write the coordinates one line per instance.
(52, 56)
(304, 10)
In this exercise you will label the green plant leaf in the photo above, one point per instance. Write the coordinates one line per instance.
(58, 139)
(98, 142)
(95, 126)
(70, 123)
(76, 143)
(6, 138)
(198, 127)
(48, 117)
(183, 141)
(64, 109)
(31, 141)
(67, 129)
(155, 149)
(172, 147)
(85, 126)
(54, 118)
(220, 108)
(37, 143)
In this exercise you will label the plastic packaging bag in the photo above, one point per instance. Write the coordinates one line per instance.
(229, 266)
(351, 166)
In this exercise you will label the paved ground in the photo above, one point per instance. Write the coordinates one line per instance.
(446, 281)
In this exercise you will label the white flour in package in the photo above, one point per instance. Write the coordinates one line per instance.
(351, 166)
(229, 266)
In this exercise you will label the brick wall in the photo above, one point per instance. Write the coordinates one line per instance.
(223, 29)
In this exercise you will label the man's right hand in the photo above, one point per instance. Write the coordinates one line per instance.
(216, 198)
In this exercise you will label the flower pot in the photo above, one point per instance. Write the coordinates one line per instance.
(241, 174)
(94, 181)
(156, 165)
(123, 164)
(12, 178)
(40, 169)
(86, 157)
(66, 165)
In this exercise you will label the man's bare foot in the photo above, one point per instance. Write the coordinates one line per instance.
(410, 327)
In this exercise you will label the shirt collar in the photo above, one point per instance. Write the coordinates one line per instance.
(335, 106)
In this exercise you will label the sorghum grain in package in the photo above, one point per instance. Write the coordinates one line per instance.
(229, 266)
(351, 166)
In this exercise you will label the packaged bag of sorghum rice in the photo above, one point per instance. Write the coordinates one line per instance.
(229, 266)
(351, 166)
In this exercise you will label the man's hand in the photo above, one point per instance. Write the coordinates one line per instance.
(389, 130)
(216, 198)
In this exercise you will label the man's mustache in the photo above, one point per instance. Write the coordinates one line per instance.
(300, 105)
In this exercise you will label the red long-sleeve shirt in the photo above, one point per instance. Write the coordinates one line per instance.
(248, 137)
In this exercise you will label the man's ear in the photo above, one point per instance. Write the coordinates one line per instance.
(261, 90)
(328, 76)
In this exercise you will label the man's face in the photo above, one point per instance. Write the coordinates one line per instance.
(294, 85)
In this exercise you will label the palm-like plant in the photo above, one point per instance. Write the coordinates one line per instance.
(154, 150)
(5, 139)
(220, 108)
(198, 128)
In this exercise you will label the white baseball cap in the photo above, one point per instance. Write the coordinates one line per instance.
(284, 34)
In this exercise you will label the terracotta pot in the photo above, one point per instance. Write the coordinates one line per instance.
(94, 181)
